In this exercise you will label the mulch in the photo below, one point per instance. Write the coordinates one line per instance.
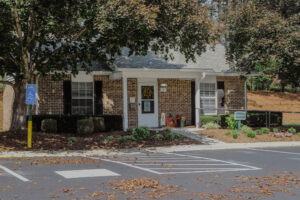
(15, 141)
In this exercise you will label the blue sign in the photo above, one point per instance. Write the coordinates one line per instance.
(30, 94)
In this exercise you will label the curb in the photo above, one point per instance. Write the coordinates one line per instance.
(167, 149)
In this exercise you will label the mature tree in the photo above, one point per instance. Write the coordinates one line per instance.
(39, 37)
(265, 38)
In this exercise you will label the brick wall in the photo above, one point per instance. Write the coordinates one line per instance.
(51, 97)
(234, 92)
(177, 99)
(112, 95)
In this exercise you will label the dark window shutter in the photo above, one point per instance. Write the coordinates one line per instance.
(67, 97)
(98, 98)
(193, 102)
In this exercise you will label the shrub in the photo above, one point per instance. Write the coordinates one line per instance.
(288, 134)
(179, 136)
(228, 133)
(49, 126)
(167, 129)
(130, 130)
(298, 133)
(275, 130)
(265, 130)
(246, 129)
(170, 136)
(208, 119)
(72, 140)
(259, 132)
(235, 134)
(258, 118)
(158, 137)
(127, 138)
(141, 133)
(211, 125)
(85, 126)
(107, 139)
(292, 130)
(99, 125)
(231, 123)
(251, 134)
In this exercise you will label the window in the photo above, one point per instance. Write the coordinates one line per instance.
(82, 98)
(147, 99)
(208, 98)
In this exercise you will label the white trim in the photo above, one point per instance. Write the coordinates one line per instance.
(125, 105)
(197, 102)
(82, 77)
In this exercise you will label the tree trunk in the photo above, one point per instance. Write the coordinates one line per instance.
(19, 107)
(282, 87)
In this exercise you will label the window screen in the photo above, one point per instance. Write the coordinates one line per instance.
(208, 98)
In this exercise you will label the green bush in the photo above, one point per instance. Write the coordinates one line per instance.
(179, 136)
(298, 133)
(265, 130)
(208, 119)
(130, 130)
(167, 129)
(292, 130)
(127, 138)
(259, 132)
(107, 139)
(251, 134)
(235, 134)
(246, 129)
(72, 140)
(170, 136)
(85, 126)
(49, 126)
(228, 133)
(211, 125)
(99, 125)
(275, 130)
(158, 137)
(141, 133)
(231, 123)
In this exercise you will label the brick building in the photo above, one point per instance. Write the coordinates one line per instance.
(142, 89)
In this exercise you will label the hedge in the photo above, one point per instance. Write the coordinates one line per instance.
(220, 119)
(68, 123)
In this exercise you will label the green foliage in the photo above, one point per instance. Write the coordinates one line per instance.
(72, 140)
(208, 119)
(231, 122)
(275, 130)
(107, 139)
(211, 125)
(127, 138)
(170, 136)
(251, 134)
(167, 129)
(265, 130)
(235, 134)
(141, 133)
(158, 137)
(246, 129)
(99, 125)
(259, 132)
(49, 126)
(228, 133)
(298, 133)
(85, 126)
(130, 130)
(179, 136)
(292, 130)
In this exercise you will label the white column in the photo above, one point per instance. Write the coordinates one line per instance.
(197, 102)
(125, 104)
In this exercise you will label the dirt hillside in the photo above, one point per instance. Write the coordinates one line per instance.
(278, 101)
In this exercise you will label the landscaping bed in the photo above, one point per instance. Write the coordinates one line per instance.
(13, 141)
(225, 135)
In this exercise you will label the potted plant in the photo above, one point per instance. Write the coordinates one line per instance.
(182, 121)
(171, 121)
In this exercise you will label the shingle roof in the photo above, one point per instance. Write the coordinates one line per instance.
(210, 60)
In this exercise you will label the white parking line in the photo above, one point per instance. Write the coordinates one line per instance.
(274, 151)
(13, 173)
(87, 173)
(193, 164)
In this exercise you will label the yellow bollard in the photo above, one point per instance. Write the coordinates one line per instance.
(29, 135)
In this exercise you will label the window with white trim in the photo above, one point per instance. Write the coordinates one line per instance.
(208, 98)
(82, 98)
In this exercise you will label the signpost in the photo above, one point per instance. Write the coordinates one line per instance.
(239, 116)
(30, 100)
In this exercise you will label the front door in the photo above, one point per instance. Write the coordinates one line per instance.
(148, 106)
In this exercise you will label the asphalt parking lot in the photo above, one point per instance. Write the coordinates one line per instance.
(214, 174)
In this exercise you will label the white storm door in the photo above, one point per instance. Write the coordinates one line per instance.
(148, 104)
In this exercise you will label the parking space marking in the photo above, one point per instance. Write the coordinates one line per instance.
(274, 151)
(86, 173)
(14, 174)
(175, 163)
